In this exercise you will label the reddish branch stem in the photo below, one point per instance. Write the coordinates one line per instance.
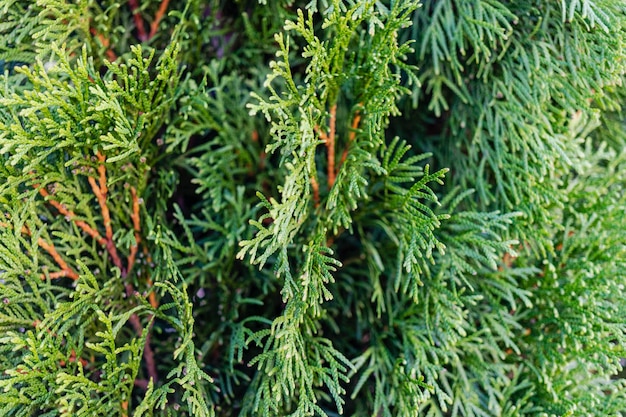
(141, 29)
(133, 250)
(148, 353)
(139, 23)
(101, 190)
(105, 42)
(316, 191)
(157, 18)
(329, 140)
(141, 383)
(351, 137)
(314, 184)
(69, 214)
(330, 146)
(152, 296)
(65, 271)
(136, 227)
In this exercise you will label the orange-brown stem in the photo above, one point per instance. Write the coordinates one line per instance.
(157, 18)
(323, 136)
(136, 227)
(148, 353)
(69, 214)
(141, 30)
(330, 146)
(316, 191)
(102, 203)
(104, 190)
(65, 271)
(105, 42)
(7, 226)
(73, 358)
(351, 137)
(101, 190)
(101, 169)
(133, 250)
(152, 295)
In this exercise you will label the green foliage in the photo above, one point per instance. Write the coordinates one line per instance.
(312, 208)
(510, 76)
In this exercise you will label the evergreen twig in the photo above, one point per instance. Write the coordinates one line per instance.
(316, 208)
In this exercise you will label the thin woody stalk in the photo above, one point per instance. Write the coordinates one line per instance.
(139, 22)
(351, 136)
(316, 190)
(101, 191)
(136, 227)
(154, 27)
(106, 43)
(135, 217)
(330, 145)
(141, 29)
(66, 271)
(69, 214)
(329, 140)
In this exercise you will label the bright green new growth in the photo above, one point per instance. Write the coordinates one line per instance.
(312, 208)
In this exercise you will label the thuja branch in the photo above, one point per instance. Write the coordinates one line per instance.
(66, 271)
(101, 190)
(136, 228)
(329, 140)
(351, 136)
(69, 215)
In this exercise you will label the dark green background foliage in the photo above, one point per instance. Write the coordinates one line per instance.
(271, 208)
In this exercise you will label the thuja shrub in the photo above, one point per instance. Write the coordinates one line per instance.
(312, 208)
